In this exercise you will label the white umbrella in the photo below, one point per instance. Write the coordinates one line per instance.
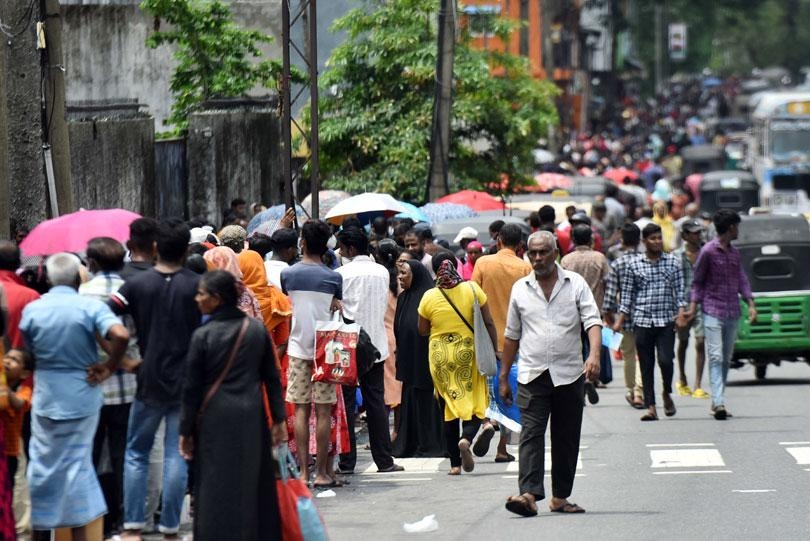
(365, 203)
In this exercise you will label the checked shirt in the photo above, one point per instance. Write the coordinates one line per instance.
(653, 291)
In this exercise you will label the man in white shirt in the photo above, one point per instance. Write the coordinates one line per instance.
(547, 311)
(365, 301)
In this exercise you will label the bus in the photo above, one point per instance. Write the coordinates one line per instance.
(780, 150)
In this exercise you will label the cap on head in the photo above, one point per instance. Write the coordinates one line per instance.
(580, 218)
(468, 233)
(692, 226)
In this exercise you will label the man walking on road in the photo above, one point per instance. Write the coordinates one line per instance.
(547, 311)
(631, 236)
(717, 284)
(653, 295)
(691, 232)
(594, 267)
(365, 301)
(496, 274)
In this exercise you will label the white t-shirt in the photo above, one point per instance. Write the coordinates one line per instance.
(365, 298)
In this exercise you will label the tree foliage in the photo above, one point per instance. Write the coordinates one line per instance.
(731, 35)
(216, 58)
(376, 118)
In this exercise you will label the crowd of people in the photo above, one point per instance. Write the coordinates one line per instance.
(135, 375)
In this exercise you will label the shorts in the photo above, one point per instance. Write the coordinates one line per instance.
(302, 390)
(696, 325)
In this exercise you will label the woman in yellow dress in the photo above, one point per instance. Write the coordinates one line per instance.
(446, 315)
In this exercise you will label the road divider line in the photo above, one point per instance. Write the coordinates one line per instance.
(754, 490)
(689, 472)
(397, 479)
(680, 445)
(794, 443)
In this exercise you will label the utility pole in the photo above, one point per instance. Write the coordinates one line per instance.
(5, 171)
(306, 13)
(443, 104)
(55, 138)
(658, 47)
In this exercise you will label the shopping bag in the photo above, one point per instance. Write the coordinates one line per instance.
(336, 351)
(507, 415)
(300, 520)
(484, 352)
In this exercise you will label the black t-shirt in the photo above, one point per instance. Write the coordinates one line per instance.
(134, 268)
(165, 315)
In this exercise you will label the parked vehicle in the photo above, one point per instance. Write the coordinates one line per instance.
(448, 229)
(775, 252)
(702, 159)
(736, 190)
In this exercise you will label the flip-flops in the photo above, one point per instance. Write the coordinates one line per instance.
(507, 458)
(649, 416)
(481, 447)
(519, 505)
(567, 507)
(467, 460)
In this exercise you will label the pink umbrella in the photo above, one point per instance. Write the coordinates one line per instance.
(475, 200)
(70, 233)
(548, 182)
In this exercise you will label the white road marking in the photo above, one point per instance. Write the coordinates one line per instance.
(801, 454)
(755, 490)
(686, 458)
(668, 445)
(546, 475)
(689, 472)
(794, 443)
(513, 466)
(412, 465)
(397, 479)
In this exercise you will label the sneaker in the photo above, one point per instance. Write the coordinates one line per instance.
(700, 393)
(683, 389)
(720, 413)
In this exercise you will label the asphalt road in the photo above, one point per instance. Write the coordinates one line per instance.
(685, 477)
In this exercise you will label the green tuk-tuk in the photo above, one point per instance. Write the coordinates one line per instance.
(775, 253)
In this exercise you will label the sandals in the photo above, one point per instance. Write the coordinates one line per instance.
(455, 470)
(467, 460)
(649, 416)
(481, 446)
(567, 507)
(508, 458)
(520, 505)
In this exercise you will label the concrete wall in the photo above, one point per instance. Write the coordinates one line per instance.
(113, 163)
(232, 153)
(106, 58)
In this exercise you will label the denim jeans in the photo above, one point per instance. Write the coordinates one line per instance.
(720, 335)
(144, 420)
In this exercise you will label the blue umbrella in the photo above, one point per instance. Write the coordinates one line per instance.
(439, 212)
(276, 212)
(711, 82)
(414, 213)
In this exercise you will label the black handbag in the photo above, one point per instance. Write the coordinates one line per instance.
(366, 353)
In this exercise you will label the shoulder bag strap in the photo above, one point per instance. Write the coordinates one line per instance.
(456, 309)
(215, 387)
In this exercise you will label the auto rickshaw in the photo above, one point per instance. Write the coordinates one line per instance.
(702, 159)
(775, 254)
(736, 190)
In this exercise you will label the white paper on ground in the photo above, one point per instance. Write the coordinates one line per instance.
(326, 494)
(427, 524)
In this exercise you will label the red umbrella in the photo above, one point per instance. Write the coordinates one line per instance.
(473, 199)
(70, 233)
(618, 175)
(548, 182)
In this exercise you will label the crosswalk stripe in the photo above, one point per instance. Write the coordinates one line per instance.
(514, 466)
(686, 458)
(801, 454)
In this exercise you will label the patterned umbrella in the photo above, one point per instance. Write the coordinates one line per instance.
(326, 200)
(439, 212)
(273, 215)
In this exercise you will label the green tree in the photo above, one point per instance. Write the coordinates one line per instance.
(376, 118)
(216, 58)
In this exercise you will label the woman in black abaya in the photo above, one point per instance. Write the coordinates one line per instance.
(421, 429)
